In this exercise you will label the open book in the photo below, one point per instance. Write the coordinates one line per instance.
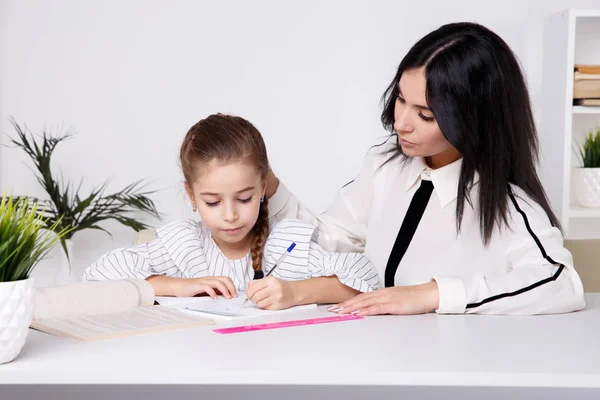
(104, 310)
(222, 308)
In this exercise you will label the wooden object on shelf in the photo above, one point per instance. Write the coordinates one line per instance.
(587, 102)
(586, 85)
(587, 69)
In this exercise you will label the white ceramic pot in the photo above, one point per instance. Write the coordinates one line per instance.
(586, 182)
(16, 310)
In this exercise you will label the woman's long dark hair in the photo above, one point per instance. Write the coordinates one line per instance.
(477, 93)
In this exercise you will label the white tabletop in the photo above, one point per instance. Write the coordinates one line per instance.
(555, 351)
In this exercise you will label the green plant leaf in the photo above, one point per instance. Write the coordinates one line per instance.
(25, 238)
(589, 152)
(65, 206)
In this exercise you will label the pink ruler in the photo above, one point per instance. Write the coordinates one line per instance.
(287, 324)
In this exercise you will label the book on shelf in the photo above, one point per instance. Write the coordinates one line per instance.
(105, 310)
(586, 88)
(587, 68)
(587, 102)
(586, 82)
(578, 76)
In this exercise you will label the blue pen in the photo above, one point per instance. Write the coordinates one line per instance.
(285, 253)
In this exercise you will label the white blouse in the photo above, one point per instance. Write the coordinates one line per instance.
(513, 274)
(186, 249)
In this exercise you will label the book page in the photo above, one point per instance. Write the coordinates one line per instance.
(135, 321)
(91, 298)
(222, 308)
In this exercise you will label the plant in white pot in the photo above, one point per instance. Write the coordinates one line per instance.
(24, 240)
(587, 178)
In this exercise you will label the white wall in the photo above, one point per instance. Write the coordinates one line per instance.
(132, 77)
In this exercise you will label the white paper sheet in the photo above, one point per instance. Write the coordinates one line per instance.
(222, 308)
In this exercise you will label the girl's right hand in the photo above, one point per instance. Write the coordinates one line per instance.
(211, 285)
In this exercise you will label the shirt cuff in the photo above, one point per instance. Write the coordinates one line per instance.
(279, 199)
(452, 294)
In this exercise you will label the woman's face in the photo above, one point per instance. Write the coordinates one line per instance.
(418, 132)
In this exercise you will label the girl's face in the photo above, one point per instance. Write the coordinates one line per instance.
(418, 132)
(228, 199)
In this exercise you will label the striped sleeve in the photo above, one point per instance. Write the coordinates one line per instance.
(354, 270)
(177, 251)
(140, 261)
(308, 259)
(184, 243)
(539, 277)
(282, 235)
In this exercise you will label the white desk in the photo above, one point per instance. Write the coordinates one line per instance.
(425, 356)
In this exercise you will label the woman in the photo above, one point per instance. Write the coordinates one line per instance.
(450, 209)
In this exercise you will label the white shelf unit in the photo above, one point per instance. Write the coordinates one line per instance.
(583, 212)
(586, 109)
(570, 37)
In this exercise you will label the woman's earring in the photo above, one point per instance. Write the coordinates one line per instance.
(194, 208)
(262, 199)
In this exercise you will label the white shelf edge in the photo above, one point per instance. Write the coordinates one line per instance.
(585, 13)
(586, 109)
(583, 212)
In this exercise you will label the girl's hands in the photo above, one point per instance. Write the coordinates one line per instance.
(271, 293)
(211, 285)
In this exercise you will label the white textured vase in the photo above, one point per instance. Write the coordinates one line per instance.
(586, 182)
(16, 310)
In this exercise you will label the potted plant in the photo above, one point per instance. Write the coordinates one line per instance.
(23, 242)
(587, 178)
(67, 208)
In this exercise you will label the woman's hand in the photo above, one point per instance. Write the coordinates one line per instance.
(211, 285)
(405, 300)
(271, 293)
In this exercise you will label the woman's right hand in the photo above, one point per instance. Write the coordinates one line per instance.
(211, 285)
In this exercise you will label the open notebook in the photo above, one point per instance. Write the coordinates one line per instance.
(222, 308)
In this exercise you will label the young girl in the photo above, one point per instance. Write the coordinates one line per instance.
(225, 165)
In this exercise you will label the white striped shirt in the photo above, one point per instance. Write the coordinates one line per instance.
(186, 249)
